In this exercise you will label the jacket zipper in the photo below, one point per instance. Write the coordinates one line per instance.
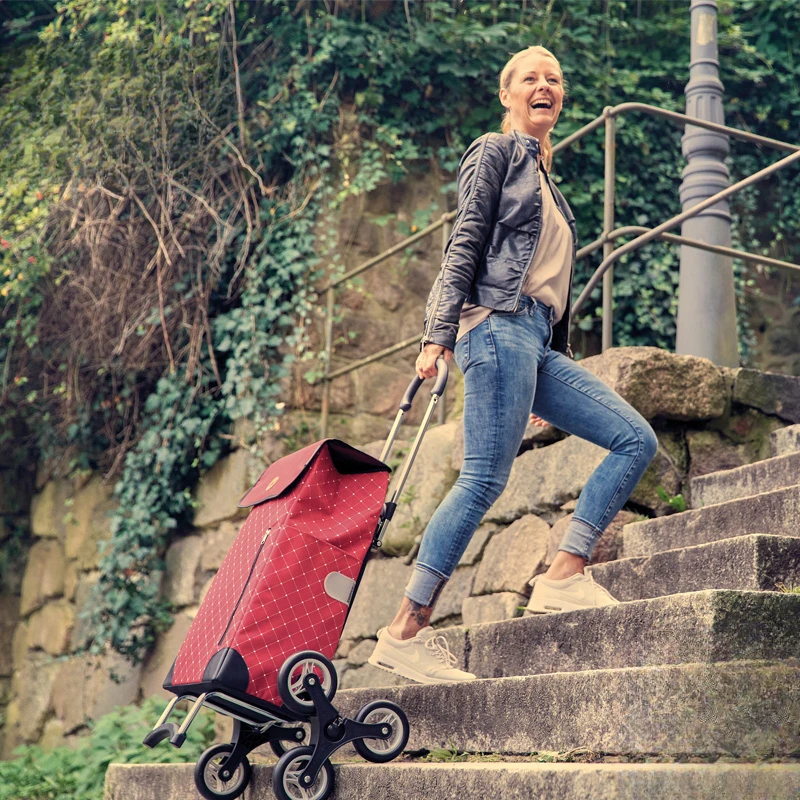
(244, 588)
(571, 269)
(535, 246)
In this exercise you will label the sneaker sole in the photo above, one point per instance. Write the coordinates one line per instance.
(404, 671)
(553, 608)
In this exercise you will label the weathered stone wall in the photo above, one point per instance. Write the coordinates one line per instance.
(706, 419)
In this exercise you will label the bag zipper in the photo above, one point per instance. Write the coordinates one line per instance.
(244, 588)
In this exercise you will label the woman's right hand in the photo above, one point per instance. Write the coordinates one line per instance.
(426, 360)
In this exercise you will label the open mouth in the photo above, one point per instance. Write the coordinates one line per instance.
(548, 104)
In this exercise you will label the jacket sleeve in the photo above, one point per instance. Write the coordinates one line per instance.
(480, 181)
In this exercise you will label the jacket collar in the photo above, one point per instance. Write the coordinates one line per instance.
(530, 143)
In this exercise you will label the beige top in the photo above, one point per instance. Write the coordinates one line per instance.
(547, 279)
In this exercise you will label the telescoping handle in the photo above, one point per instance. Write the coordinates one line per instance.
(405, 405)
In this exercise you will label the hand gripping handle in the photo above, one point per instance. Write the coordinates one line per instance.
(441, 382)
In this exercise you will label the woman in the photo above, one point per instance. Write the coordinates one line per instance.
(501, 303)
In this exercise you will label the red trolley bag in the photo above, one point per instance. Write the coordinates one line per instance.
(260, 647)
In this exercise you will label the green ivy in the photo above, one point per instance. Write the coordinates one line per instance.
(317, 103)
(68, 773)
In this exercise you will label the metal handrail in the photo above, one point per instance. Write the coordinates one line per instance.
(606, 240)
(636, 243)
(732, 252)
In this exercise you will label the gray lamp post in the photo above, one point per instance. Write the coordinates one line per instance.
(706, 302)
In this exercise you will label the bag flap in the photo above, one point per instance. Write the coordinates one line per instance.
(285, 472)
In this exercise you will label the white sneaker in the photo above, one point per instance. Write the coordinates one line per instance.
(573, 593)
(426, 658)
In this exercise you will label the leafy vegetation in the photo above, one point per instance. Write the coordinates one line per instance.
(166, 169)
(68, 773)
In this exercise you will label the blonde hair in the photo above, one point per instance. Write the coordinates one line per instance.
(506, 77)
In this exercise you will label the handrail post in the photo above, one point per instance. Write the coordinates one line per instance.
(447, 227)
(326, 381)
(608, 226)
(706, 319)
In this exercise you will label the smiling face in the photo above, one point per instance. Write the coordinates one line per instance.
(534, 94)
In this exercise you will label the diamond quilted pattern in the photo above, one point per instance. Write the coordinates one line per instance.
(268, 599)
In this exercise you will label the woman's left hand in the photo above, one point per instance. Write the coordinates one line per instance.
(537, 421)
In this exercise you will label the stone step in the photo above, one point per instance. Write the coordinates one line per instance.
(743, 709)
(785, 440)
(479, 781)
(759, 563)
(751, 479)
(774, 513)
(709, 626)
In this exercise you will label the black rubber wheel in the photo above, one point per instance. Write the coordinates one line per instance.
(281, 746)
(383, 712)
(207, 778)
(286, 777)
(290, 680)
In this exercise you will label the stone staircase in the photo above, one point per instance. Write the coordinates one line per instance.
(689, 689)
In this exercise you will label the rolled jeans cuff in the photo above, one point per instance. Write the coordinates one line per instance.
(580, 538)
(425, 585)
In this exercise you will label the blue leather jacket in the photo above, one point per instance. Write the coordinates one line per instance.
(494, 236)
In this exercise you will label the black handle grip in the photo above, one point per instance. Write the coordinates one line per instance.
(441, 382)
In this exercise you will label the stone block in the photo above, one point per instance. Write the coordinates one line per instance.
(757, 563)
(182, 561)
(11, 735)
(746, 481)
(33, 687)
(454, 593)
(609, 545)
(710, 451)
(83, 592)
(89, 522)
(658, 383)
(491, 607)
(543, 479)
(87, 687)
(478, 543)
(222, 487)
(379, 388)
(48, 509)
(357, 656)
(53, 735)
(667, 470)
(19, 646)
(158, 663)
(769, 392)
(50, 628)
(785, 440)
(507, 780)
(428, 482)
(370, 677)
(44, 575)
(9, 619)
(379, 596)
(772, 513)
(513, 557)
(696, 627)
(676, 710)
(215, 545)
(72, 574)
(750, 426)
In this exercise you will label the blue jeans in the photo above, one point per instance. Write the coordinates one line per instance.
(509, 370)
